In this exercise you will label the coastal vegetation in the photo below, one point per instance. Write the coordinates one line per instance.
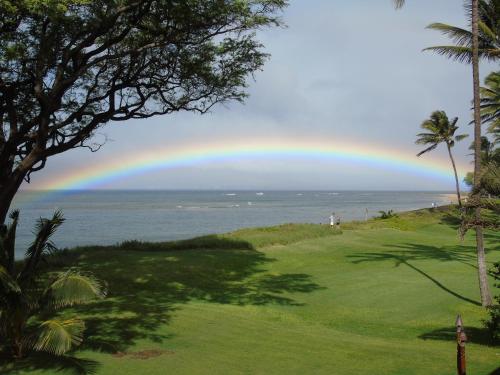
(379, 297)
(387, 214)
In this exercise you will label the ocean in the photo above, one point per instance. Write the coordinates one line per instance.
(104, 217)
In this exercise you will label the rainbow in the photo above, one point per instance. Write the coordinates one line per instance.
(371, 156)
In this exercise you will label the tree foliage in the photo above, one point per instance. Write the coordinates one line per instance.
(399, 3)
(28, 293)
(67, 67)
(489, 34)
(493, 323)
(490, 104)
(387, 214)
(439, 129)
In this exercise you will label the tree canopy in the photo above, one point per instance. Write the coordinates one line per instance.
(67, 67)
(488, 37)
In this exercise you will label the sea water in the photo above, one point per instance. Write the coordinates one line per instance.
(103, 217)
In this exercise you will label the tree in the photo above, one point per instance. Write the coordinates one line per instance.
(473, 10)
(68, 67)
(26, 293)
(489, 35)
(441, 130)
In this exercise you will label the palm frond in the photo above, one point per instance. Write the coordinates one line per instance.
(59, 336)
(490, 179)
(7, 283)
(44, 230)
(490, 100)
(440, 130)
(489, 34)
(461, 137)
(458, 35)
(399, 3)
(72, 287)
(427, 149)
(486, 32)
(425, 139)
(458, 53)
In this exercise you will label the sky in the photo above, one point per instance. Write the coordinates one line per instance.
(350, 73)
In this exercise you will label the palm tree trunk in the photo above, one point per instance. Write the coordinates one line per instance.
(486, 299)
(456, 175)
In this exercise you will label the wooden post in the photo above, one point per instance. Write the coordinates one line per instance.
(461, 340)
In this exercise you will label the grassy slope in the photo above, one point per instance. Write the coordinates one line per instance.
(380, 298)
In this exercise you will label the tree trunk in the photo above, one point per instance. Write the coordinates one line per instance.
(486, 299)
(456, 176)
(8, 189)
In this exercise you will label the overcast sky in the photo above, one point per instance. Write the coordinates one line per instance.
(342, 70)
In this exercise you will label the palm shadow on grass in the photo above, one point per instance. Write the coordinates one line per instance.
(43, 361)
(408, 253)
(474, 335)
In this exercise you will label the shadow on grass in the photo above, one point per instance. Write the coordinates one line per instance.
(452, 219)
(408, 253)
(493, 237)
(495, 372)
(148, 282)
(42, 361)
(474, 335)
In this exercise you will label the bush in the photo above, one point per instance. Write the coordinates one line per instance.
(386, 214)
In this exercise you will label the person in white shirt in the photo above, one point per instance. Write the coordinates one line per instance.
(332, 219)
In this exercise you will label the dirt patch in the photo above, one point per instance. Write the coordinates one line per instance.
(143, 354)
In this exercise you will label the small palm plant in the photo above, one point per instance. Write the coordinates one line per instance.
(387, 214)
(29, 292)
(441, 130)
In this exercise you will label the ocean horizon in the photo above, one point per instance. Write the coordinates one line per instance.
(107, 217)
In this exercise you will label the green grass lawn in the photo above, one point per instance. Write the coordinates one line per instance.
(379, 298)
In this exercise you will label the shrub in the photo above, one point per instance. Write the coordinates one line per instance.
(386, 214)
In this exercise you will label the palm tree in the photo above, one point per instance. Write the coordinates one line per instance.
(27, 294)
(473, 8)
(484, 287)
(441, 130)
(489, 35)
